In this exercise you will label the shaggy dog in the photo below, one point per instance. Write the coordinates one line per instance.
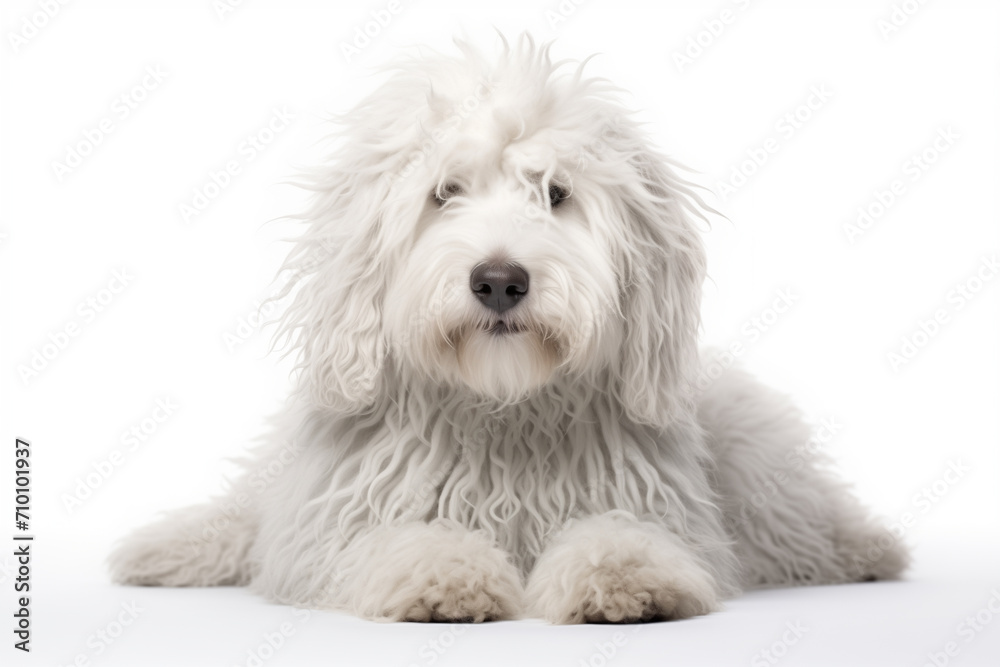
(500, 407)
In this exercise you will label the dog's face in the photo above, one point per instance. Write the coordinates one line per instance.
(497, 228)
(509, 277)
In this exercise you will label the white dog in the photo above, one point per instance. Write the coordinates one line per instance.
(496, 310)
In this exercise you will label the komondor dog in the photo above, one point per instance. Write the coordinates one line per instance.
(501, 409)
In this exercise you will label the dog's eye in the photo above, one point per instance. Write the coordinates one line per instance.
(446, 192)
(557, 195)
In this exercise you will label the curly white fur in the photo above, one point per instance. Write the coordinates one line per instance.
(565, 467)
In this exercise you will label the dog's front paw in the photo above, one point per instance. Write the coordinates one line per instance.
(464, 593)
(625, 590)
(609, 570)
(437, 572)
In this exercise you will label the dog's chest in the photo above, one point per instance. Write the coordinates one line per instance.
(520, 480)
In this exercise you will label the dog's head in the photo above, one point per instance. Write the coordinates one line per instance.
(497, 227)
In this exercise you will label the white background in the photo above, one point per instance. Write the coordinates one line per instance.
(891, 90)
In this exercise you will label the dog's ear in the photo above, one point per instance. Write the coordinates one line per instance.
(663, 266)
(338, 273)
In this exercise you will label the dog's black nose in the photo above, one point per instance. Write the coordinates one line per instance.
(499, 285)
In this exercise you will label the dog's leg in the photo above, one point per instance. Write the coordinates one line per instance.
(428, 572)
(204, 545)
(793, 520)
(614, 568)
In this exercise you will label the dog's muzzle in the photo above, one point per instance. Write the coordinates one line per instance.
(499, 285)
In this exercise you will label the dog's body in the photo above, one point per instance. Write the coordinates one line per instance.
(496, 310)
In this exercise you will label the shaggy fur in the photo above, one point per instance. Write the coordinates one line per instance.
(441, 461)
